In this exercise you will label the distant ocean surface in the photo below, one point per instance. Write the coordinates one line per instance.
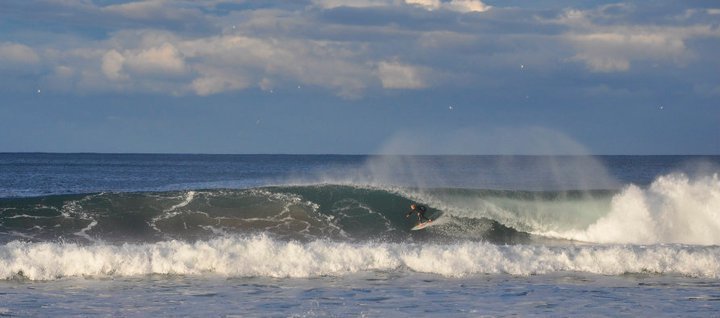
(325, 235)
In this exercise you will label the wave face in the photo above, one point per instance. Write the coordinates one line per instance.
(675, 208)
(314, 212)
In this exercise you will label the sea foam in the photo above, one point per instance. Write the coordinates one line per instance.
(262, 256)
(675, 208)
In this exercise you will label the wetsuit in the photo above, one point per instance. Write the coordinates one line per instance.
(420, 210)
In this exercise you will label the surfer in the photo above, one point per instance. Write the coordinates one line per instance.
(420, 210)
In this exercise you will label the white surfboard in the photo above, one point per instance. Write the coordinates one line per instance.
(422, 225)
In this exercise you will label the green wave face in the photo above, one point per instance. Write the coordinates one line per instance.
(310, 212)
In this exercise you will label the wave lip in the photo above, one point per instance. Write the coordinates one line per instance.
(262, 256)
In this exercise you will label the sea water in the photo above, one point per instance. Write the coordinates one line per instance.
(308, 236)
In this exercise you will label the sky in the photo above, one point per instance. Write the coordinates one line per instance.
(545, 77)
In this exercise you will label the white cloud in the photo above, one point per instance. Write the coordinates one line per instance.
(62, 78)
(164, 59)
(611, 52)
(330, 4)
(467, 6)
(268, 62)
(13, 53)
(227, 63)
(148, 61)
(427, 4)
(604, 64)
(151, 10)
(615, 47)
(276, 47)
(271, 48)
(63, 71)
(394, 75)
(112, 64)
(213, 83)
(139, 9)
(454, 5)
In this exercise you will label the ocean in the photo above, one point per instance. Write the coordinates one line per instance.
(137, 235)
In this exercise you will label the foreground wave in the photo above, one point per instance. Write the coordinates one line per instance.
(304, 213)
(675, 209)
(337, 230)
(262, 256)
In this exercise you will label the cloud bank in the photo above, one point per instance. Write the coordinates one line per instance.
(348, 48)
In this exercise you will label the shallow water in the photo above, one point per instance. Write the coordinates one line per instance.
(367, 295)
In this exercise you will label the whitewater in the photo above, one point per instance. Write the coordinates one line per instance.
(265, 257)
(326, 235)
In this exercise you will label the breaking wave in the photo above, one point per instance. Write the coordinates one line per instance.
(337, 229)
(675, 208)
(261, 256)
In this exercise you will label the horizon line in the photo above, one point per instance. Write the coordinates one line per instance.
(340, 154)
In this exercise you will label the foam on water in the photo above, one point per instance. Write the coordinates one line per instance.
(262, 256)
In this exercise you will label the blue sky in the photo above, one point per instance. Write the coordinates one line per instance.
(360, 76)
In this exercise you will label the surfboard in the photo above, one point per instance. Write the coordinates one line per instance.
(421, 226)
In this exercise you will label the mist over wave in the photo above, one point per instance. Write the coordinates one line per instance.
(528, 173)
(261, 256)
